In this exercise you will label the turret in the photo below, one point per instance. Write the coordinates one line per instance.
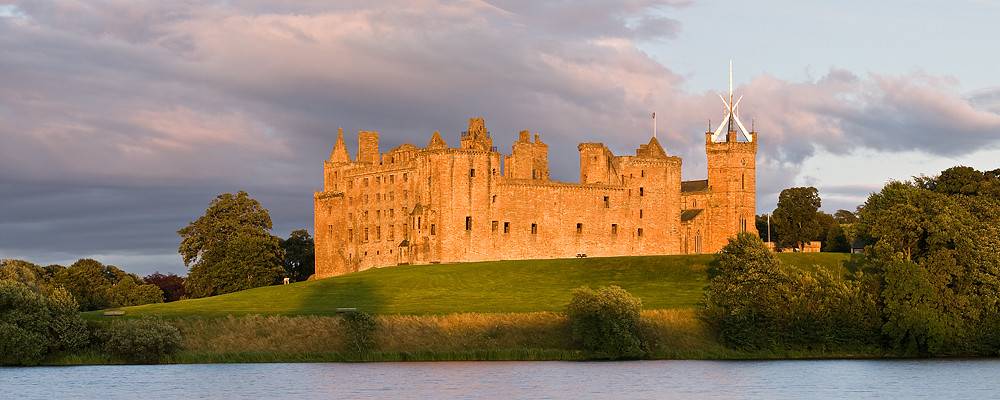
(339, 153)
(368, 147)
(528, 160)
(477, 137)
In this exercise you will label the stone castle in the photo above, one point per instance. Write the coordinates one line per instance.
(440, 204)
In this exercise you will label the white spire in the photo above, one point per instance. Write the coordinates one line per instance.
(732, 113)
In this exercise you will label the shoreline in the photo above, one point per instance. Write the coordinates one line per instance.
(672, 334)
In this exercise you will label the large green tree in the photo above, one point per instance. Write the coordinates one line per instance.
(796, 218)
(230, 247)
(300, 256)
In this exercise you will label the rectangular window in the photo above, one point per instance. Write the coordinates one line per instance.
(404, 177)
(472, 173)
(392, 178)
(378, 180)
(392, 213)
(378, 215)
(614, 229)
(350, 235)
(534, 229)
(494, 225)
(640, 213)
(366, 182)
(433, 229)
(642, 173)
(506, 227)
(366, 234)
(579, 228)
(638, 232)
(468, 223)
(607, 202)
(642, 192)
(378, 233)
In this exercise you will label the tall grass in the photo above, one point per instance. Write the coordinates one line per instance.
(671, 334)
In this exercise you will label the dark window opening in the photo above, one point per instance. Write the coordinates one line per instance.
(468, 223)
(494, 225)
(640, 213)
(506, 227)
(433, 230)
(642, 192)
(614, 229)
(579, 228)
(607, 202)
(472, 173)
(534, 229)
(639, 232)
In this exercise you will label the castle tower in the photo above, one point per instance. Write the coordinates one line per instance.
(368, 147)
(529, 159)
(477, 137)
(596, 164)
(732, 176)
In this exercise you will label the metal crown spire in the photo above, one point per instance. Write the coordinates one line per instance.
(732, 114)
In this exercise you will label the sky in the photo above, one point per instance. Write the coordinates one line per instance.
(120, 120)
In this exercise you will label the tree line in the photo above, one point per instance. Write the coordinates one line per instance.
(928, 282)
(798, 220)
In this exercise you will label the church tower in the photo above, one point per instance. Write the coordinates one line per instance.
(731, 151)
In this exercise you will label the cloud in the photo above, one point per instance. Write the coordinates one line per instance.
(161, 104)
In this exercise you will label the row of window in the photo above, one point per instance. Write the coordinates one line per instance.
(391, 178)
(495, 227)
(379, 197)
(367, 234)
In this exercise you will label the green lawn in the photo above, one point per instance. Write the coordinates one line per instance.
(662, 282)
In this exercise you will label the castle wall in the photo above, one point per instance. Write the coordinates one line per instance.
(439, 204)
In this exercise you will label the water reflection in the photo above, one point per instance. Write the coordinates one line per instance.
(848, 379)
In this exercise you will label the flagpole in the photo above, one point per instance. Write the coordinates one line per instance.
(654, 124)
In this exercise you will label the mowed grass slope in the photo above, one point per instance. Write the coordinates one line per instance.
(662, 282)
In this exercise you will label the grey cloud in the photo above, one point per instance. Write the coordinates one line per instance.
(122, 119)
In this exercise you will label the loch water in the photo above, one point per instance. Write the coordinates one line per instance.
(806, 379)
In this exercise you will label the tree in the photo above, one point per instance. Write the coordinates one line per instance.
(171, 285)
(845, 217)
(96, 286)
(130, 291)
(836, 240)
(762, 228)
(796, 217)
(230, 247)
(300, 258)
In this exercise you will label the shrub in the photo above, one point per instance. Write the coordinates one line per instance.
(33, 325)
(753, 302)
(605, 322)
(360, 331)
(145, 340)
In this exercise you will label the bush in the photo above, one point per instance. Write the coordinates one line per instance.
(605, 322)
(145, 340)
(33, 325)
(360, 330)
(753, 303)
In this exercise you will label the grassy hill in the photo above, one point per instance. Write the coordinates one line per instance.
(662, 282)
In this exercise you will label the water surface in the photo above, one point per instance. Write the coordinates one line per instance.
(827, 379)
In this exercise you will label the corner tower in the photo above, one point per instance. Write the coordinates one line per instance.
(731, 152)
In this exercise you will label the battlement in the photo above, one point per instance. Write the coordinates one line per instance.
(417, 205)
